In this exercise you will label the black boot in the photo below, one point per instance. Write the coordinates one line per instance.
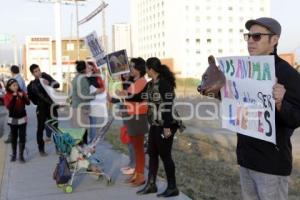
(14, 152)
(21, 152)
(42, 151)
(8, 140)
(150, 186)
(171, 190)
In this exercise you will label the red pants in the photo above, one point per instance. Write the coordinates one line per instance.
(138, 145)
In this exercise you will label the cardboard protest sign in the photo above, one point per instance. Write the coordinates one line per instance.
(248, 107)
(118, 63)
(96, 49)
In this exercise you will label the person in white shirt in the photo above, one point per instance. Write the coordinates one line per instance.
(98, 112)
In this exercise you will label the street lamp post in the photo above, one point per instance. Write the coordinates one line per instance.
(58, 46)
(77, 30)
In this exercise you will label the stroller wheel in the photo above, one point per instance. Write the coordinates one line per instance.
(100, 178)
(68, 189)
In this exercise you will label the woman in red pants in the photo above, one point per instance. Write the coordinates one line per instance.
(136, 121)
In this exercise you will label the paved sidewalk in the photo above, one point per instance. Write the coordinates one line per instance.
(2, 158)
(33, 180)
(3, 149)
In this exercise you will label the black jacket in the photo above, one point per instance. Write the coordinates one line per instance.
(161, 95)
(266, 157)
(37, 93)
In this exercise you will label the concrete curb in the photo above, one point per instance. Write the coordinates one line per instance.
(5, 176)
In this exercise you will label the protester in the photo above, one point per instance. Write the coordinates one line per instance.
(2, 109)
(264, 166)
(136, 122)
(160, 94)
(98, 106)
(46, 108)
(15, 101)
(15, 73)
(81, 97)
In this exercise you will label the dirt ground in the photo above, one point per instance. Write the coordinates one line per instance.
(205, 158)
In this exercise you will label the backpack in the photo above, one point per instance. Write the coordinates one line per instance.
(62, 173)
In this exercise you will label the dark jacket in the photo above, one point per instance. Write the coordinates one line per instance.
(37, 93)
(2, 93)
(266, 157)
(96, 81)
(160, 95)
(16, 104)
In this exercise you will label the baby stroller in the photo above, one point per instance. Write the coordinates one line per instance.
(75, 158)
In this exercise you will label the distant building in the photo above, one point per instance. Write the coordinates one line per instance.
(69, 51)
(189, 31)
(41, 50)
(121, 38)
(38, 50)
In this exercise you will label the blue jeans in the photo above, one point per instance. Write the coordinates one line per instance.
(95, 124)
(48, 132)
(131, 155)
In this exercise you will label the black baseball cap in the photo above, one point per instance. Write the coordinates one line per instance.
(267, 22)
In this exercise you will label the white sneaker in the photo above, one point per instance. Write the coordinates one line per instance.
(124, 168)
(129, 171)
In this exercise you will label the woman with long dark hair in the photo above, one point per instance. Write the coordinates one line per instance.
(160, 93)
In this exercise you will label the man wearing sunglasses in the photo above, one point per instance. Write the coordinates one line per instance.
(265, 167)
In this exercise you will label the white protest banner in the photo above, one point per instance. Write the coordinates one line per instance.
(57, 97)
(247, 104)
(95, 47)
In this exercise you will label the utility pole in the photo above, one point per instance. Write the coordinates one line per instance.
(58, 50)
(99, 9)
(104, 39)
(77, 31)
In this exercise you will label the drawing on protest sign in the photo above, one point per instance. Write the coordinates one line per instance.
(247, 104)
(118, 63)
(95, 47)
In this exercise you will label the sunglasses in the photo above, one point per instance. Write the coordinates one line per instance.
(256, 36)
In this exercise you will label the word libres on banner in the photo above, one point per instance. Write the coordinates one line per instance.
(248, 107)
